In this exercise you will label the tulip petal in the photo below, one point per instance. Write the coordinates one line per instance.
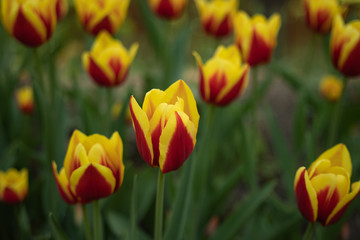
(91, 182)
(142, 130)
(152, 100)
(63, 185)
(69, 163)
(305, 195)
(177, 141)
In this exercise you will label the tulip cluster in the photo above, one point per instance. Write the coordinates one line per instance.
(13, 185)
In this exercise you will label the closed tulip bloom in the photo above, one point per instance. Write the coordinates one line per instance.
(256, 36)
(97, 15)
(217, 16)
(166, 126)
(25, 99)
(345, 46)
(169, 9)
(223, 77)
(14, 185)
(319, 14)
(108, 62)
(61, 8)
(323, 191)
(93, 168)
(331, 88)
(32, 22)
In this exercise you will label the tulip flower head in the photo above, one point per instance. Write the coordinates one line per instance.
(256, 36)
(31, 22)
(166, 126)
(331, 88)
(320, 13)
(97, 15)
(345, 46)
(323, 191)
(14, 185)
(93, 168)
(25, 99)
(223, 77)
(61, 8)
(217, 16)
(170, 9)
(108, 62)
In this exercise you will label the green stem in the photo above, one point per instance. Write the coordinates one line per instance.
(253, 151)
(309, 231)
(255, 92)
(310, 54)
(86, 223)
(159, 206)
(39, 70)
(96, 220)
(337, 112)
(109, 103)
(133, 233)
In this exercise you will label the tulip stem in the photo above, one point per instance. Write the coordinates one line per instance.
(159, 206)
(86, 223)
(39, 70)
(133, 233)
(252, 164)
(96, 220)
(109, 103)
(309, 231)
(337, 112)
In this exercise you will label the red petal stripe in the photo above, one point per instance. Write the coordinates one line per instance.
(9, 196)
(260, 51)
(325, 205)
(98, 74)
(351, 65)
(303, 198)
(104, 24)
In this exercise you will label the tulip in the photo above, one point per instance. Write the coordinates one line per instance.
(169, 9)
(217, 16)
(331, 88)
(116, 110)
(256, 36)
(13, 185)
(166, 126)
(345, 46)
(108, 61)
(93, 168)
(320, 13)
(61, 8)
(223, 77)
(25, 99)
(322, 192)
(97, 15)
(32, 22)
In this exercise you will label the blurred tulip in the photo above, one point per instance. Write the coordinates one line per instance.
(14, 185)
(32, 22)
(256, 36)
(331, 88)
(93, 168)
(108, 62)
(116, 111)
(223, 77)
(25, 99)
(322, 192)
(345, 46)
(169, 9)
(166, 126)
(61, 8)
(319, 14)
(97, 15)
(217, 16)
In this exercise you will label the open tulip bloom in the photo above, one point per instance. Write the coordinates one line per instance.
(166, 126)
(322, 191)
(93, 168)
(14, 185)
(223, 77)
(169, 9)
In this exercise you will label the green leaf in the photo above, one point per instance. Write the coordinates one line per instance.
(58, 232)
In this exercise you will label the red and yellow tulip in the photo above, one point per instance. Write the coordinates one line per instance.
(93, 168)
(345, 46)
(166, 126)
(217, 16)
(319, 14)
(97, 15)
(108, 62)
(14, 185)
(323, 191)
(61, 8)
(256, 36)
(25, 99)
(331, 88)
(169, 9)
(223, 77)
(32, 22)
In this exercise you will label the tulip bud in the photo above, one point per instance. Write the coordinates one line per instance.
(32, 22)
(345, 46)
(331, 88)
(25, 99)
(223, 77)
(256, 36)
(323, 191)
(217, 16)
(169, 9)
(166, 126)
(13, 185)
(108, 62)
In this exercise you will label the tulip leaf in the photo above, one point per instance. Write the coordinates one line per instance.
(242, 213)
(133, 219)
(300, 119)
(58, 232)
